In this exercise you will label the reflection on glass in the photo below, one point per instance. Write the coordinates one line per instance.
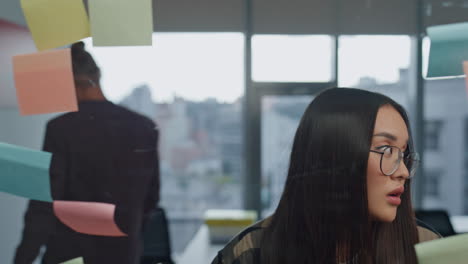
(195, 66)
(291, 58)
(280, 118)
(382, 64)
(366, 61)
(192, 85)
(377, 63)
(446, 156)
(446, 132)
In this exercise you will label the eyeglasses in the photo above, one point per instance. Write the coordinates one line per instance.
(84, 82)
(391, 158)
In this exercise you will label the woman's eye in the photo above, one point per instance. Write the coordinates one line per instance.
(387, 150)
(384, 148)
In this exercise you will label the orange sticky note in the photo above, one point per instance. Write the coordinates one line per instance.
(44, 82)
(88, 217)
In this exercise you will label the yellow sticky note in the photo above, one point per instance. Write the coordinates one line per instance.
(121, 22)
(55, 23)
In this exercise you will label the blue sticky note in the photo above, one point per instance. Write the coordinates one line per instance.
(25, 172)
(449, 48)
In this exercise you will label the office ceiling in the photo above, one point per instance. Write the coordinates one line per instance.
(290, 16)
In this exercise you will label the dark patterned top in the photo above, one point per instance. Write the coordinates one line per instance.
(245, 247)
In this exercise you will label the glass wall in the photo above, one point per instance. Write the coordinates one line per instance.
(280, 118)
(383, 64)
(292, 58)
(379, 63)
(446, 157)
(291, 64)
(191, 85)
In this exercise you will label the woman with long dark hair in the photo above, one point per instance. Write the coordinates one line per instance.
(347, 195)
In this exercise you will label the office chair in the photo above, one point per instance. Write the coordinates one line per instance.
(156, 241)
(435, 220)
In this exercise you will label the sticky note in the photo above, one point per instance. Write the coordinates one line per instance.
(55, 23)
(90, 218)
(465, 70)
(121, 22)
(449, 250)
(449, 47)
(25, 172)
(74, 261)
(44, 82)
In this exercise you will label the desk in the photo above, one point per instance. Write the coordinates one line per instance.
(199, 249)
(460, 223)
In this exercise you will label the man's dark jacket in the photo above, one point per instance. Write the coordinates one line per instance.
(103, 153)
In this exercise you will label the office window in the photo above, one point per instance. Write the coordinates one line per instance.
(192, 85)
(465, 165)
(280, 118)
(433, 129)
(446, 103)
(292, 58)
(433, 189)
(377, 63)
(432, 180)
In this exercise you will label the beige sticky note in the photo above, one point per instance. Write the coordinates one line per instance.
(55, 23)
(448, 250)
(74, 261)
(121, 22)
(44, 82)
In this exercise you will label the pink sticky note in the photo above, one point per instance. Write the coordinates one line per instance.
(88, 217)
(44, 82)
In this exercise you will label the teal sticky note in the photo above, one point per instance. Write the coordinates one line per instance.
(449, 48)
(449, 250)
(121, 22)
(25, 172)
(74, 261)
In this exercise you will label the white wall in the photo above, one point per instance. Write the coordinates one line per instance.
(14, 40)
(11, 10)
(27, 131)
(15, 129)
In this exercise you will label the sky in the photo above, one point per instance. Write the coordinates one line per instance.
(197, 66)
(193, 66)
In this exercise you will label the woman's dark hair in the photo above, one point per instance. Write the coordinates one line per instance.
(323, 215)
(84, 66)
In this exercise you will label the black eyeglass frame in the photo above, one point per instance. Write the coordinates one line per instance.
(405, 156)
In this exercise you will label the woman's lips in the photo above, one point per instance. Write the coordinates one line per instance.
(394, 196)
(394, 200)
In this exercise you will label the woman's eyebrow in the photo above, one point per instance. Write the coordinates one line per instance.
(387, 135)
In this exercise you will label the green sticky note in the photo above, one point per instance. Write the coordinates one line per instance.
(449, 250)
(25, 172)
(449, 48)
(121, 22)
(74, 261)
(55, 23)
